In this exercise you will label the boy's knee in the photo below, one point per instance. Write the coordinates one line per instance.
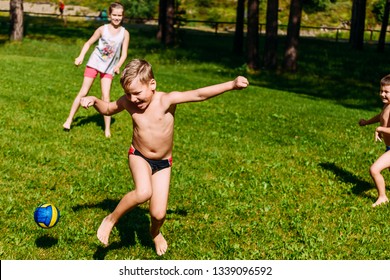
(158, 216)
(143, 196)
(374, 171)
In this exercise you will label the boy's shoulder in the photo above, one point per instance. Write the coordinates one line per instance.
(166, 99)
(386, 109)
(160, 93)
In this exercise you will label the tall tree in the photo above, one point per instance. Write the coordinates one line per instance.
(170, 23)
(290, 62)
(16, 23)
(356, 37)
(271, 35)
(253, 35)
(385, 22)
(239, 32)
(162, 18)
(166, 17)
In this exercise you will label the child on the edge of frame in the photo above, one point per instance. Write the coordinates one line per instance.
(105, 60)
(382, 133)
(150, 153)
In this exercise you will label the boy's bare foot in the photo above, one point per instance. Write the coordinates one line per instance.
(161, 244)
(108, 134)
(380, 200)
(104, 230)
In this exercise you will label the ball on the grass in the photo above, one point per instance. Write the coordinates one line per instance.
(46, 215)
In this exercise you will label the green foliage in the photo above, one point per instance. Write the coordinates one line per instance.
(378, 9)
(312, 6)
(141, 9)
(203, 3)
(276, 171)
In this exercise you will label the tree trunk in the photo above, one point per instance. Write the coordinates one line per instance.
(166, 17)
(162, 19)
(16, 22)
(385, 22)
(271, 35)
(239, 32)
(253, 35)
(356, 37)
(294, 24)
(170, 23)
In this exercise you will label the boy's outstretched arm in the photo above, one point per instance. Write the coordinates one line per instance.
(103, 107)
(374, 119)
(204, 93)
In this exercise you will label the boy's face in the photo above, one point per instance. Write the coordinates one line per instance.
(140, 94)
(385, 94)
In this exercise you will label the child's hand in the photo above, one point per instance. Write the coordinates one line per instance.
(78, 61)
(117, 70)
(378, 135)
(240, 82)
(362, 122)
(87, 102)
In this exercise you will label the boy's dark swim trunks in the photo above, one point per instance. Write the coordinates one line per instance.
(156, 165)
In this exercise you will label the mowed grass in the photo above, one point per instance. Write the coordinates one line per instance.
(276, 171)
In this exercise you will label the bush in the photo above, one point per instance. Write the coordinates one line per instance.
(378, 9)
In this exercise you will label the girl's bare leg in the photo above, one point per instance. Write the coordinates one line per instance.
(106, 87)
(87, 83)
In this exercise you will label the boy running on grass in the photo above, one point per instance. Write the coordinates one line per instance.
(382, 132)
(150, 154)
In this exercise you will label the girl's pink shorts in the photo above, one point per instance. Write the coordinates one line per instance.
(92, 73)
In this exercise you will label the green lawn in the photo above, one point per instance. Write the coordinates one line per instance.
(276, 171)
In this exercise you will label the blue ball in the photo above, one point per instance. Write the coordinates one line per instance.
(46, 215)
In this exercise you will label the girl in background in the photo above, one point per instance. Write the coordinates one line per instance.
(105, 60)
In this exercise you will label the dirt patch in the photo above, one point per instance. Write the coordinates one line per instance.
(51, 9)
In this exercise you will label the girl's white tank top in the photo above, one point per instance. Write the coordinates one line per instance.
(107, 52)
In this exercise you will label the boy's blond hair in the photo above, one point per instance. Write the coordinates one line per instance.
(385, 81)
(136, 69)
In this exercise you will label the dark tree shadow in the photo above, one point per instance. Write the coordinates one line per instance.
(46, 241)
(134, 224)
(96, 118)
(359, 186)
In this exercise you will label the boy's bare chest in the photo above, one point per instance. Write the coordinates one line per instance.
(153, 118)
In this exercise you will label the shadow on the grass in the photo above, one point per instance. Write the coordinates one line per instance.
(46, 241)
(96, 118)
(359, 186)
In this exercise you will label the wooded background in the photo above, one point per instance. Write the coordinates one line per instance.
(246, 23)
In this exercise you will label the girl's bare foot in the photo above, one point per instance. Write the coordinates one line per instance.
(104, 230)
(66, 125)
(161, 244)
(380, 200)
